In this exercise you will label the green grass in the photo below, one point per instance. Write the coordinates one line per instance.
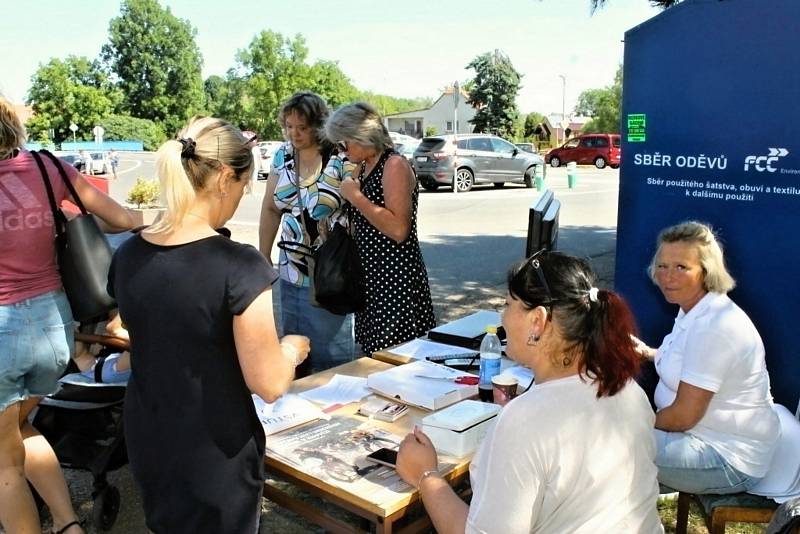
(668, 508)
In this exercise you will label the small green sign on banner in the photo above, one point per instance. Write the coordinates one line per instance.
(637, 127)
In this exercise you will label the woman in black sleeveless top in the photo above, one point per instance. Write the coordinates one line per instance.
(383, 191)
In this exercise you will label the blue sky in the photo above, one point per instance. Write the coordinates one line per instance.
(405, 48)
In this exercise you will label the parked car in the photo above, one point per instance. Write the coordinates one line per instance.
(99, 165)
(470, 159)
(527, 147)
(402, 138)
(599, 150)
(71, 158)
(407, 149)
(267, 149)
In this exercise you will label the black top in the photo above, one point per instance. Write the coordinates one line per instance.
(195, 444)
(398, 295)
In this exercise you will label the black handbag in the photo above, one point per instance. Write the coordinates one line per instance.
(336, 280)
(83, 252)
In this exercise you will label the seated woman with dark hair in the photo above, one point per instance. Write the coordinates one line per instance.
(716, 429)
(575, 452)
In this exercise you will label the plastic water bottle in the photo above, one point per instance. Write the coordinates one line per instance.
(490, 363)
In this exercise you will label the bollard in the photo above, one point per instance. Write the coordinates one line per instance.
(538, 180)
(572, 174)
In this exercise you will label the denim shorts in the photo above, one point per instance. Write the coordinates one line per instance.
(687, 463)
(37, 340)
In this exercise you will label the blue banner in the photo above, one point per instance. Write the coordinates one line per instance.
(710, 133)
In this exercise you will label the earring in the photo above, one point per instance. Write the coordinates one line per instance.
(533, 339)
(566, 362)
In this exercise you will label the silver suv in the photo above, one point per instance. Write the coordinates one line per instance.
(468, 159)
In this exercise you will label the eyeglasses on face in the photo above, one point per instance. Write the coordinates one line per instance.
(533, 261)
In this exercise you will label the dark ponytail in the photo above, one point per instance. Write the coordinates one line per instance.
(594, 323)
(609, 356)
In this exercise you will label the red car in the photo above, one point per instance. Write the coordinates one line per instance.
(599, 150)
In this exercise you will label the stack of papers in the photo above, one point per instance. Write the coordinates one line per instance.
(341, 390)
(404, 383)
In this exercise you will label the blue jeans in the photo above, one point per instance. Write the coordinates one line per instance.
(686, 463)
(37, 339)
(332, 339)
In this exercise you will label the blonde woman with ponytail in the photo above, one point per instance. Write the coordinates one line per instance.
(36, 325)
(198, 308)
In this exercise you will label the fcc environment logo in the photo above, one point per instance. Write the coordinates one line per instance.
(765, 163)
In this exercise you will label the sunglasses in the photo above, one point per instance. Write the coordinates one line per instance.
(342, 146)
(533, 261)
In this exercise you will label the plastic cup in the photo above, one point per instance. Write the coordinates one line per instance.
(504, 388)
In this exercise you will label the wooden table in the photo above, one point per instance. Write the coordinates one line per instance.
(380, 516)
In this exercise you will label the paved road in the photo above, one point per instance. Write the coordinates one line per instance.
(469, 239)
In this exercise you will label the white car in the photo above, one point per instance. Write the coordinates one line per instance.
(267, 149)
(398, 138)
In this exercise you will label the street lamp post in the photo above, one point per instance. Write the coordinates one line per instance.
(563, 101)
(456, 96)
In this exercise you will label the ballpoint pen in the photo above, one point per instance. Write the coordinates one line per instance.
(463, 380)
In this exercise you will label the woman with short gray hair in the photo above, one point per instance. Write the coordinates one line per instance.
(382, 190)
(716, 430)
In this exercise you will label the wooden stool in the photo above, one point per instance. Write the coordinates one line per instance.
(718, 510)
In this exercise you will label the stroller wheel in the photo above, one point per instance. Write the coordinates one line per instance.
(105, 508)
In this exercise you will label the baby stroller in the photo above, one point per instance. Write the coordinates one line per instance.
(83, 423)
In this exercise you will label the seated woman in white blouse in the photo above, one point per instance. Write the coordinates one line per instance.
(575, 452)
(716, 430)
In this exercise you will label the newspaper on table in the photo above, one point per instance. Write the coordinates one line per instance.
(335, 451)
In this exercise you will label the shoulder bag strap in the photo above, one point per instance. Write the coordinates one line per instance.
(59, 220)
(70, 187)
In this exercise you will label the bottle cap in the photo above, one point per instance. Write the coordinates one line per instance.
(491, 329)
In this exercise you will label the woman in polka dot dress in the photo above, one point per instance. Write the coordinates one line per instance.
(383, 193)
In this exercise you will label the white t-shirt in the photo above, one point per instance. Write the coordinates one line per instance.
(717, 348)
(561, 460)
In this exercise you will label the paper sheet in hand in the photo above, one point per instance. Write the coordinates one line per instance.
(403, 383)
(286, 412)
(341, 389)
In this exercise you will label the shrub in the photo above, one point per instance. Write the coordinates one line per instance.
(144, 193)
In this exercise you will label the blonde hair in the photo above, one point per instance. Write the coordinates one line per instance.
(717, 279)
(12, 132)
(361, 124)
(188, 164)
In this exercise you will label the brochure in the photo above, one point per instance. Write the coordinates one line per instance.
(286, 412)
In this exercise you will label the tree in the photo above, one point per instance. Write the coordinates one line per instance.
(266, 73)
(589, 102)
(214, 89)
(663, 4)
(74, 90)
(124, 128)
(494, 93)
(328, 81)
(274, 67)
(157, 62)
(603, 106)
(533, 125)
